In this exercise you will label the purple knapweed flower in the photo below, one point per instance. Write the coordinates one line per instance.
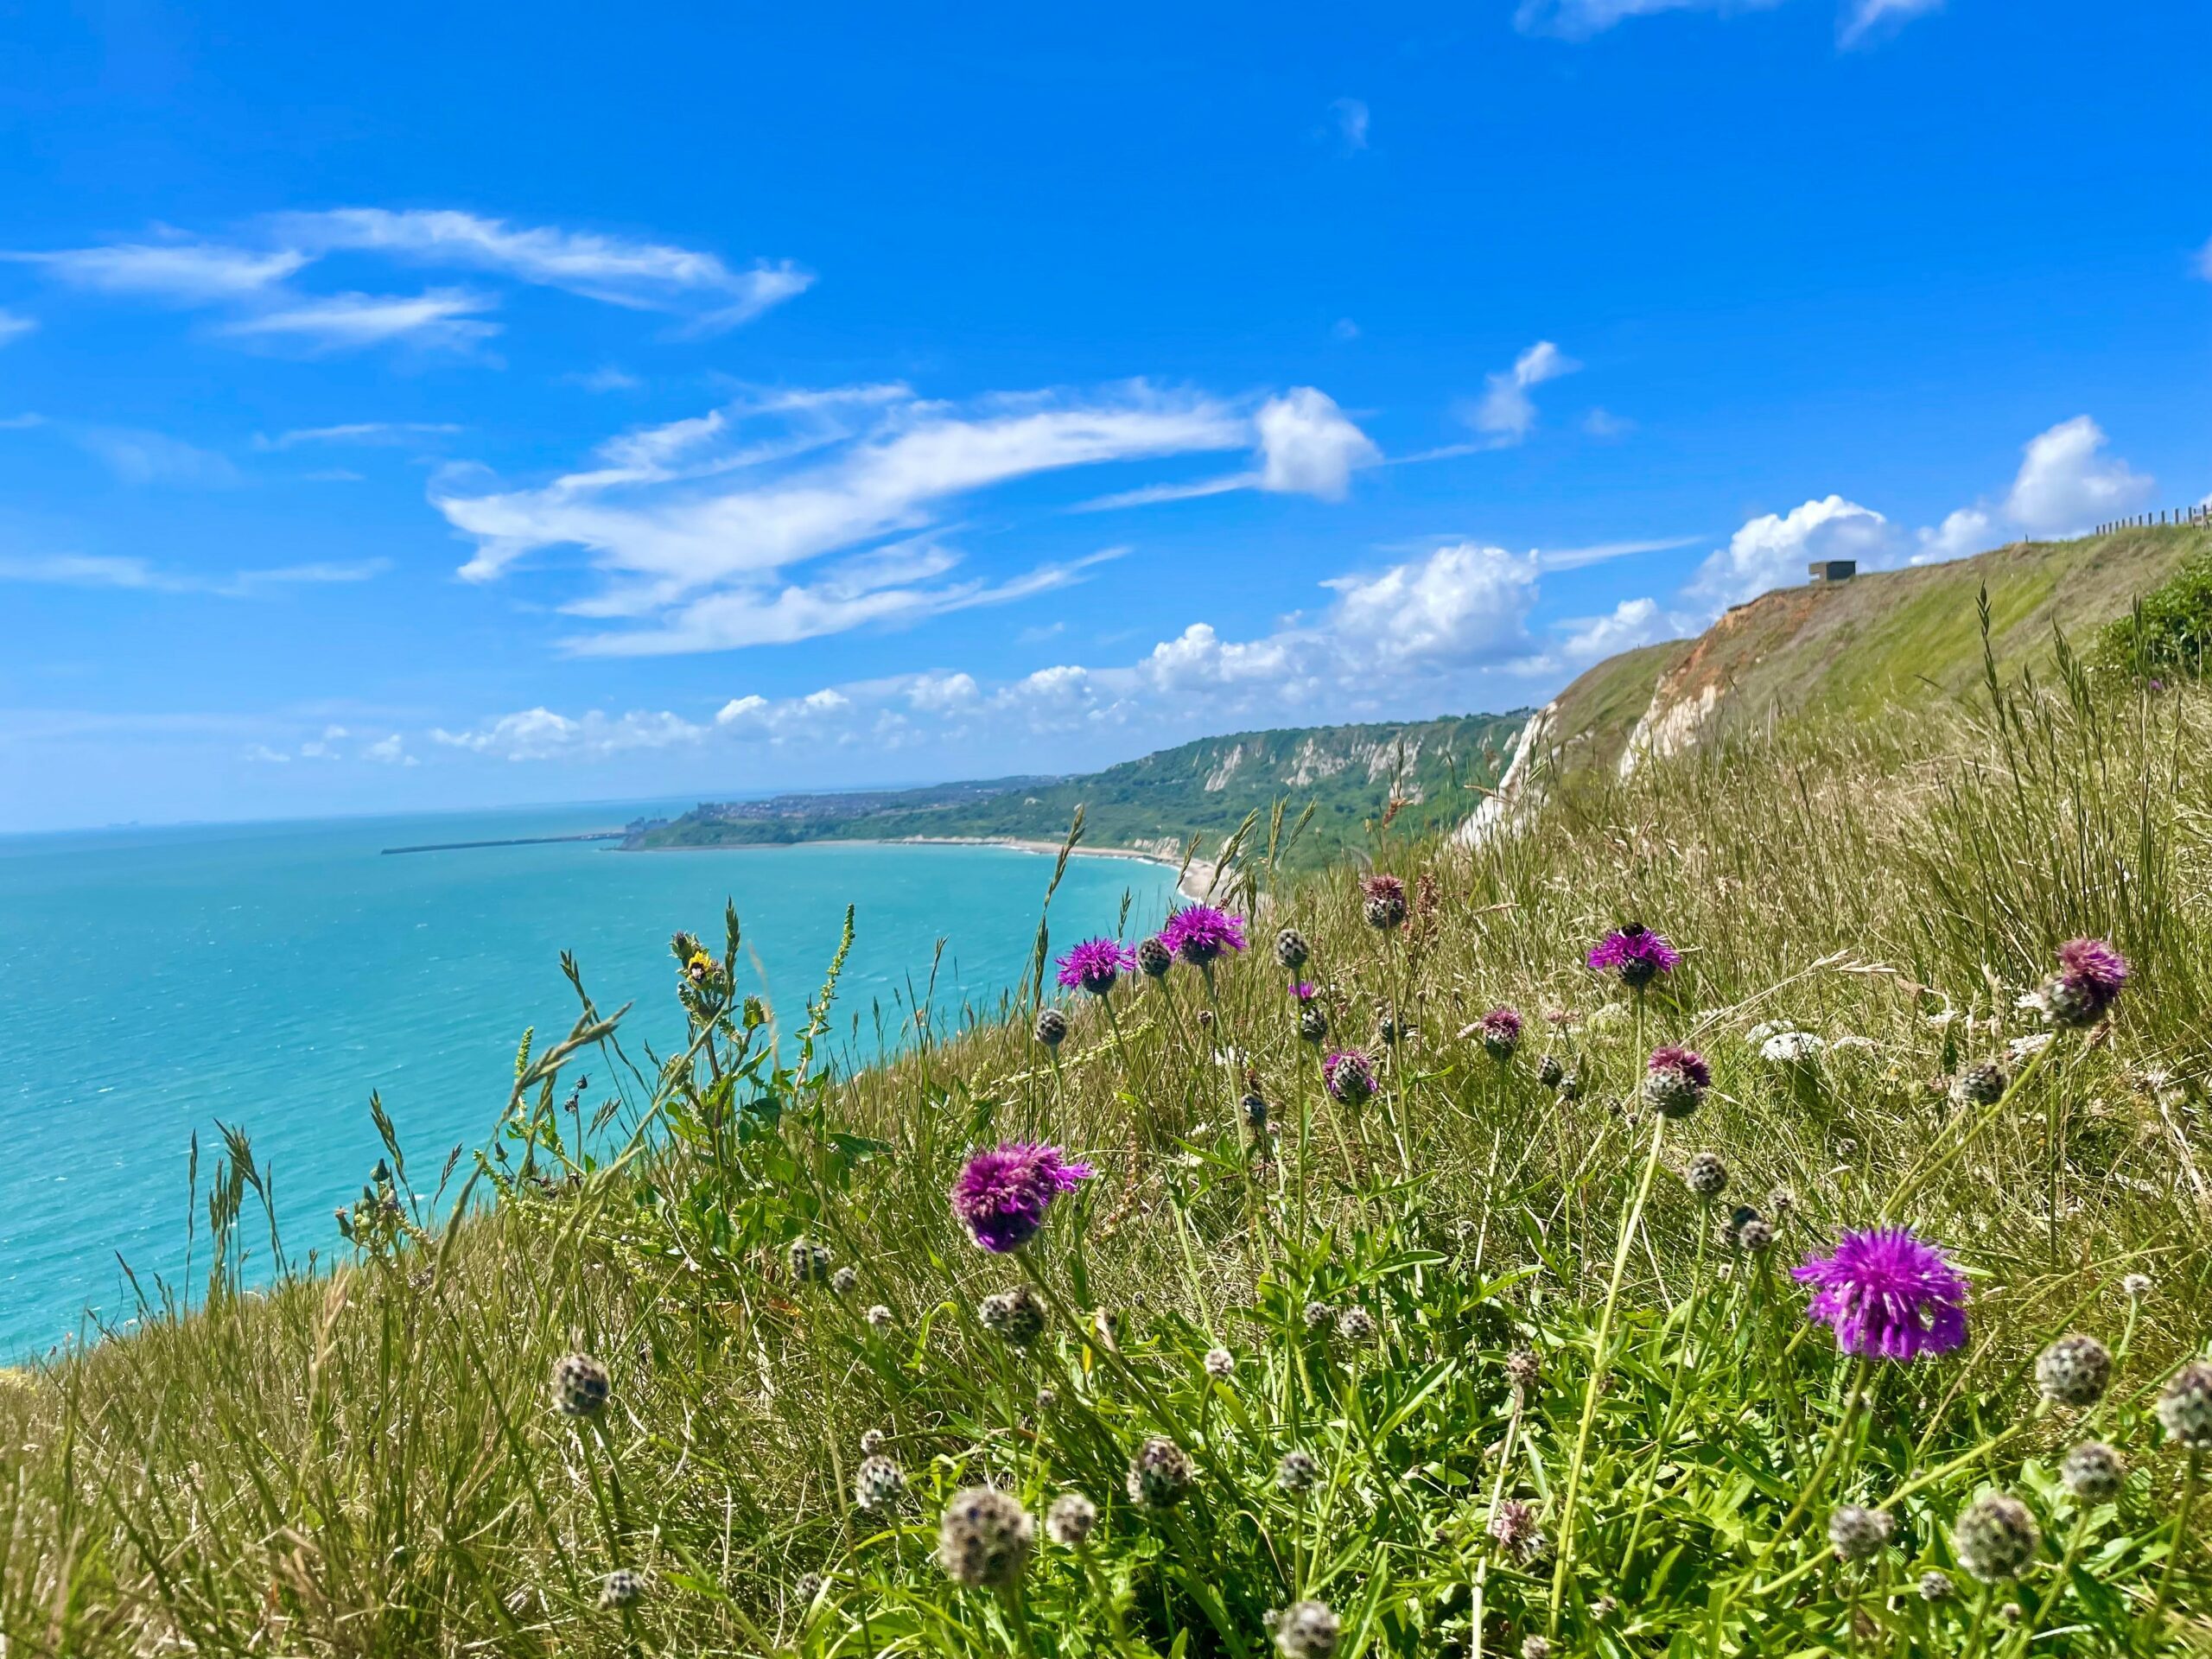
(1306, 990)
(1201, 935)
(1635, 954)
(1095, 964)
(1888, 1295)
(1384, 897)
(1499, 1032)
(1674, 1081)
(1002, 1194)
(1350, 1076)
(2090, 974)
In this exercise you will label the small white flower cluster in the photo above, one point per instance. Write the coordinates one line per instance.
(1783, 1044)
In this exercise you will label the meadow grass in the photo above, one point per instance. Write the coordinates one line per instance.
(1469, 1366)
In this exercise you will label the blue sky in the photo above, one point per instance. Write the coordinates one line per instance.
(439, 406)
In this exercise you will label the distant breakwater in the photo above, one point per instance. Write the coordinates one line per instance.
(512, 840)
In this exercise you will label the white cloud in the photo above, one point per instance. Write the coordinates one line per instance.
(179, 273)
(326, 746)
(1773, 550)
(695, 523)
(14, 325)
(1351, 116)
(370, 432)
(2066, 483)
(1463, 604)
(1308, 447)
(389, 752)
(147, 458)
(1867, 19)
(1604, 423)
(618, 271)
(439, 319)
(1419, 634)
(1345, 328)
(1967, 530)
(1506, 411)
(1633, 622)
(540, 735)
(2204, 263)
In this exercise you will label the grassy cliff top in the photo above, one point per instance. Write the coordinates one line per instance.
(1375, 1325)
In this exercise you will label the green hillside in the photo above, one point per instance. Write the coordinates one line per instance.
(1885, 639)
(1349, 775)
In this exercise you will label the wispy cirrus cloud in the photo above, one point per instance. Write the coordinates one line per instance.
(254, 277)
(1351, 118)
(139, 457)
(1579, 20)
(135, 575)
(174, 273)
(1868, 19)
(14, 325)
(445, 318)
(696, 525)
(1858, 22)
(616, 271)
(359, 432)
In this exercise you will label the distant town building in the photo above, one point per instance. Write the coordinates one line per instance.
(1833, 570)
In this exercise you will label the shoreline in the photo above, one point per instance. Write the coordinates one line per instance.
(1192, 886)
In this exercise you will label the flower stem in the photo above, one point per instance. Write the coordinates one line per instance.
(1598, 1359)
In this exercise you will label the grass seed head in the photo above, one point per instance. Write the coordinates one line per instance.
(1996, 1538)
(2093, 1473)
(879, 1483)
(1983, 1084)
(1306, 1630)
(1160, 1474)
(580, 1385)
(985, 1538)
(1016, 1313)
(1706, 1176)
(2185, 1407)
(1069, 1522)
(809, 1261)
(2074, 1371)
(1859, 1535)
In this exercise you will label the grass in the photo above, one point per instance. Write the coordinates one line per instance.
(1549, 1395)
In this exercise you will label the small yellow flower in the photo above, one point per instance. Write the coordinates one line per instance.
(700, 966)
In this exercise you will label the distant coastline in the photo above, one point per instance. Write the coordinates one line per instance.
(1193, 886)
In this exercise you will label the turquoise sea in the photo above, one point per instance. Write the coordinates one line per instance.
(156, 982)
